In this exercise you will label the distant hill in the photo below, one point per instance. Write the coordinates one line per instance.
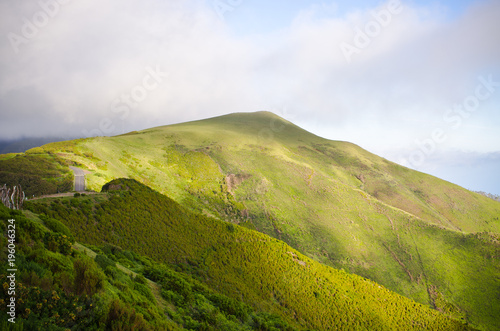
(417, 235)
(23, 144)
(489, 195)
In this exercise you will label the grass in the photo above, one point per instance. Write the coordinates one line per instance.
(242, 264)
(38, 174)
(331, 200)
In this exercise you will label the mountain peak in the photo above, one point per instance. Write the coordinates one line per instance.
(260, 124)
(262, 115)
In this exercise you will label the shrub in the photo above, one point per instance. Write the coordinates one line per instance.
(57, 242)
(103, 261)
(58, 227)
(88, 277)
(121, 317)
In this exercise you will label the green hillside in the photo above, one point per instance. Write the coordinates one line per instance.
(37, 174)
(243, 264)
(415, 234)
(60, 286)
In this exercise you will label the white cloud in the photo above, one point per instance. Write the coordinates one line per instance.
(66, 78)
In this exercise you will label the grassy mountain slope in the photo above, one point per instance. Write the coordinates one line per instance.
(243, 264)
(417, 235)
(63, 287)
(233, 141)
(36, 173)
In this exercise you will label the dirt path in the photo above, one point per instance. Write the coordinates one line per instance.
(61, 195)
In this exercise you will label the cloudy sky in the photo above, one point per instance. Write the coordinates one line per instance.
(417, 82)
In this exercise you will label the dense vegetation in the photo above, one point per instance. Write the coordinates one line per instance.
(417, 235)
(61, 288)
(263, 272)
(37, 174)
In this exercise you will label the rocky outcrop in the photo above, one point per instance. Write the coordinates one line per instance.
(232, 181)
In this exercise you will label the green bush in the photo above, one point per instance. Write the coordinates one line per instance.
(57, 226)
(121, 317)
(57, 242)
(103, 261)
(88, 277)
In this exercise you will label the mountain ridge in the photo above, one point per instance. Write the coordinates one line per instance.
(333, 201)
